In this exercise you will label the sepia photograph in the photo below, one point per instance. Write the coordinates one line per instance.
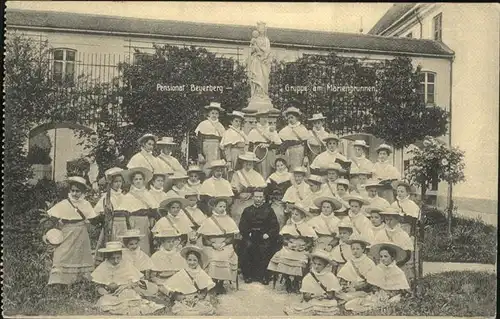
(256, 159)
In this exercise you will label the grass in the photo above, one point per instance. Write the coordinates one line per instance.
(472, 240)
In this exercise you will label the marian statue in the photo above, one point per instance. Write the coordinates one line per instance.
(259, 62)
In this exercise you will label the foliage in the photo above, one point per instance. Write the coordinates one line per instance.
(436, 161)
(471, 241)
(384, 100)
(454, 293)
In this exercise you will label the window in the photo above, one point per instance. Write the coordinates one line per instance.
(409, 35)
(426, 88)
(437, 24)
(63, 68)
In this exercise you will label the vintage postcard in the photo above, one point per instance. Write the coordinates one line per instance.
(250, 159)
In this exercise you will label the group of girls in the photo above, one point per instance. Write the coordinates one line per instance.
(171, 234)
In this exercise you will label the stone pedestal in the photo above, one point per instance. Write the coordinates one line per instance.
(259, 104)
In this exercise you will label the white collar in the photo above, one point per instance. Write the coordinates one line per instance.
(296, 223)
(294, 125)
(219, 215)
(137, 190)
(155, 190)
(194, 184)
(404, 199)
(325, 216)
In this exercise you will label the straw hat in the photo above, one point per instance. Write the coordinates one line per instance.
(334, 167)
(148, 175)
(384, 147)
(391, 211)
(261, 113)
(300, 169)
(336, 204)
(320, 253)
(78, 180)
(331, 137)
(165, 204)
(358, 239)
(167, 233)
(373, 209)
(141, 139)
(54, 236)
(115, 171)
(345, 223)
(273, 113)
(241, 115)
(357, 171)
(401, 254)
(342, 181)
(341, 211)
(178, 175)
(217, 163)
(298, 206)
(166, 140)
(131, 233)
(317, 117)
(395, 184)
(292, 110)
(248, 156)
(372, 183)
(194, 169)
(361, 143)
(190, 193)
(184, 252)
(112, 246)
(212, 200)
(214, 106)
(315, 179)
(358, 198)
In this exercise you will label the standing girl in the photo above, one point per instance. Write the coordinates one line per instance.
(234, 141)
(144, 158)
(294, 137)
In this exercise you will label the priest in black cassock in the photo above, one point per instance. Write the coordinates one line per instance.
(259, 229)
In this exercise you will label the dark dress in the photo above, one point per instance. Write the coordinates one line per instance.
(256, 251)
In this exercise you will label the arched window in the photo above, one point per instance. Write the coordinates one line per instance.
(63, 66)
(427, 87)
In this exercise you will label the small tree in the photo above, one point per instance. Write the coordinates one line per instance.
(436, 162)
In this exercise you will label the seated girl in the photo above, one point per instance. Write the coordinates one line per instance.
(362, 225)
(218, 234)
(406, 206)
(174, 217)
(179, 187)
(353, 275)
(167, 260)
(277, 184)
(315, 183)
(133, 252)
(326, 224)
(122, 286)
(378, 225)
(195, 174)
(388, 279)
(156, 187)
(342, 191)
(291, 260)
(195, 215)
(319, 289)
(189, 287)
(342, 253)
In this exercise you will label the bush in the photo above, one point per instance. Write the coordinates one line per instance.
(471, 241)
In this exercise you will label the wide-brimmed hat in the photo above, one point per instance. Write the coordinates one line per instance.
(315, 179)
(78, 180)
(357, 239)
(317, 117)
(166, 140)
(330, 137)
(114, 171)
(321, 254)
(298, 206)
(148, 175)
(341, 211)
(336, 204)
(361, 143)
(374, 209)
(212, 200)
(292, 110)
(355, 171)
(112, 246)
(334, 167)
(248, 156)
(239, 114)
(384, 147)
(345, 223)
(300, 169)
(372, 183)
(214, 106)
(184, 252)
(395, 184)
(217, 163)
(190, 193)
(141, 139)
(358, 198)
(54, 236)
(273, 113)
(165, 204)
(131, 233)
(391, 211)
(401, 254)
(169, 232)
(194, 169)
(177, 176)
(342, 181)
(261, 113)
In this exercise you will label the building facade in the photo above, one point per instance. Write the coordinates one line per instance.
(472, 31)
(96, 44)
